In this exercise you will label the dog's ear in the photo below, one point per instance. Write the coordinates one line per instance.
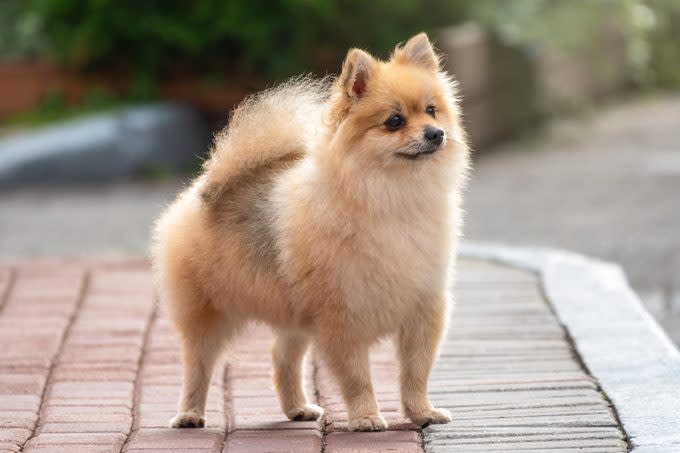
(417, 50)
(356, 72)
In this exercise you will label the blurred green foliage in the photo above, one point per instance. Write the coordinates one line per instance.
(155, 39)
(663, 38)
(21, 31)
(273, 39)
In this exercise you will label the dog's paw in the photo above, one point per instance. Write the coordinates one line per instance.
(368, 423)
(187, 420)
(305, 413)
(432, 417)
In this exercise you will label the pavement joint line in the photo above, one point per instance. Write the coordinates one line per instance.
(139, 377)
(423, 441)
(8, 289)
(228, 405)
(85, 284)
(592, 299)
(323, 423)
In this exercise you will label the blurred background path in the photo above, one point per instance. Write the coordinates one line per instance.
(606, 185)
(601, 184)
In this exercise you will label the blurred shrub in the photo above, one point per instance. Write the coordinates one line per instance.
(21, 31)
(154, 39)
(272, 39)
(663, 42)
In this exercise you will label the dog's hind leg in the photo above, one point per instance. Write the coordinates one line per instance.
(288, 356)
(203, 334)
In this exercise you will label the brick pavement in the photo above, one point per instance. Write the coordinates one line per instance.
(88, 364)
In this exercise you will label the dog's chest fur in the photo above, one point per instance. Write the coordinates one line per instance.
(379, 267)
(385, 275)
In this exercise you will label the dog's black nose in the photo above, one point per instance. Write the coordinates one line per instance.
(434, 135)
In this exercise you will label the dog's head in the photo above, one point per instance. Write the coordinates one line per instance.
(396, 113)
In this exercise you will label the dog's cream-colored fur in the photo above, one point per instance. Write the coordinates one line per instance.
(313, 216)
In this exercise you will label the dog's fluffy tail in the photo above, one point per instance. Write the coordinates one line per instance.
(276, 125)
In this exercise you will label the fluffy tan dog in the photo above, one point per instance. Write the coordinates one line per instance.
(332, 214)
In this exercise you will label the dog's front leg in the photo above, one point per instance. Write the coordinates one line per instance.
(417, 344)
(348, 360)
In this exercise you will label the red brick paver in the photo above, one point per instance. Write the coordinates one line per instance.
(38, 307)
(89, 364)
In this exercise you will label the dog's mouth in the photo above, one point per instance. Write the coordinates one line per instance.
(419, 154)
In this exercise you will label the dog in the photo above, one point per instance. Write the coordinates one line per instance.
(329, 210)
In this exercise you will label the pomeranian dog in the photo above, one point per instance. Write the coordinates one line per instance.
(330, 211)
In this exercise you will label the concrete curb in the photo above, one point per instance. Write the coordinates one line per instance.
(633, 360)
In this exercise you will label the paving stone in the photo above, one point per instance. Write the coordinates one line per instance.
(523, 445)
(103, 375)
(109, 439)
(518, 433)
(91, 389)
(124, 401)
(586, 412)
(21, 384)
(388, 441)
(87, 427)
(80, 448)
(53, 412)
(161, 449)
(266, 423)
(9, 447)
(16, 435)
(96, 415)
(176, 439)
(17, 419)
(280, 441)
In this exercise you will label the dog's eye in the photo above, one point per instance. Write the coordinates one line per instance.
(395, 122)
(430, 110)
